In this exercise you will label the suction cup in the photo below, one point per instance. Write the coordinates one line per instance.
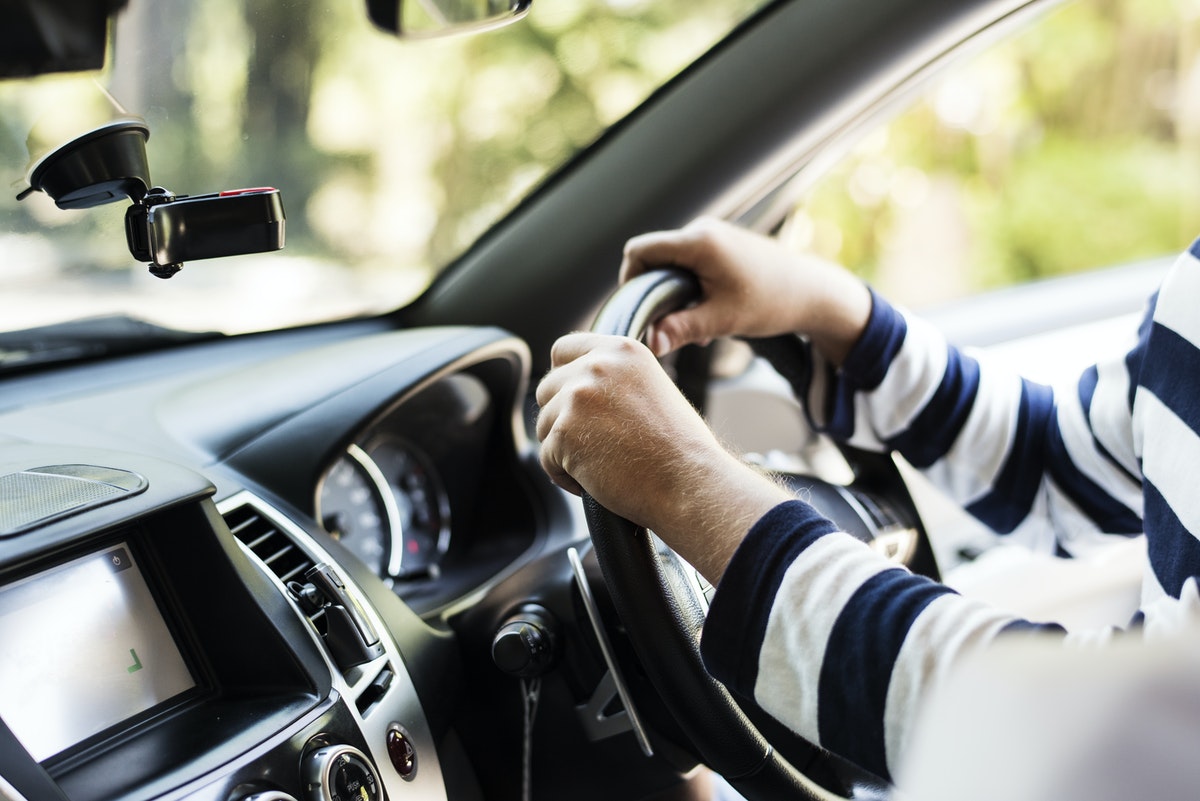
(105, 165)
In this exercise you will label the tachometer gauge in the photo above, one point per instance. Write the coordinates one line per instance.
(356, 506)
(422, 505)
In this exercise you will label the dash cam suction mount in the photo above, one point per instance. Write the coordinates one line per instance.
(109, 164)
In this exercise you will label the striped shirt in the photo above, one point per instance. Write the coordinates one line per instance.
(840, 644)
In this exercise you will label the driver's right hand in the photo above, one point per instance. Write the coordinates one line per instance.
(613, 424)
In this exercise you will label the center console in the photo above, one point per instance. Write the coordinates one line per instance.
(155, 646)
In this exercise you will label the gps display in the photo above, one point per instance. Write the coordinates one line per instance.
(83, 647)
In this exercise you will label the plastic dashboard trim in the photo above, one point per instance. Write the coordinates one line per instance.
(401, 704)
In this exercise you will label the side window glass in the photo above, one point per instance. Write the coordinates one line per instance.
(1074, 145)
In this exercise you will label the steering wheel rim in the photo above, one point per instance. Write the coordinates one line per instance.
(661, 617)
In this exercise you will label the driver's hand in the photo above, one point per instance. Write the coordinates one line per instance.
(751, 286)
(612, 423)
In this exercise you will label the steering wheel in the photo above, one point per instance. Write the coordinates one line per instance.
(662, 612)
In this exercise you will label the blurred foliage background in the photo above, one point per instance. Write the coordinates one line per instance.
(391, 156)
(1072, 146)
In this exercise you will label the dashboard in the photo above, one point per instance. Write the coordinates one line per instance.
(225, 569)
(316, 565)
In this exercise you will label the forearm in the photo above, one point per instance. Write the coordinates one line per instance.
(715, 500)
(835, 641)
(834, 317)
(1005, 448)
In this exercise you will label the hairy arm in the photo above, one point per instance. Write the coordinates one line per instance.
(612, 422)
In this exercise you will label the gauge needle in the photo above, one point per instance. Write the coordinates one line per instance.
(331, 524)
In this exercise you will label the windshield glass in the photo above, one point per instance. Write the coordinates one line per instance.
(391, 156)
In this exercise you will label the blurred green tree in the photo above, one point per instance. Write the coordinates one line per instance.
(1064, 149)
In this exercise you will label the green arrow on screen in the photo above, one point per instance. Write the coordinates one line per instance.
(137, 663)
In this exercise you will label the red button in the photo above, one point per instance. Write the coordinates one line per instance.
(401, 752)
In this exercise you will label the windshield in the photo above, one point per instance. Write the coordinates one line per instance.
(391, 156)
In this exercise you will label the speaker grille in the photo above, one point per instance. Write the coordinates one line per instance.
(34, 497)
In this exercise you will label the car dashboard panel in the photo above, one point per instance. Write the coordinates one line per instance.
(194, 582)
(405, 496)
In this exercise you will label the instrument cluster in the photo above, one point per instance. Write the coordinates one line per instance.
(387, 504)
(407, 497)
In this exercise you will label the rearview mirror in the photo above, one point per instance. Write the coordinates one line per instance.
(427, 18)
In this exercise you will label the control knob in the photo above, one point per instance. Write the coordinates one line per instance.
(524, 645)
(341, 773)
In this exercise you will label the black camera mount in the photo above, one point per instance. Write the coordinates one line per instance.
(109, 164)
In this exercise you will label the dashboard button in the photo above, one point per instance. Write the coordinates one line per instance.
(401, 752)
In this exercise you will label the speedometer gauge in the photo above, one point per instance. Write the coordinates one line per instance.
(421, 503)
(386, 505)
(355, 506)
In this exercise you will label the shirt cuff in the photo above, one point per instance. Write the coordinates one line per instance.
(737, 619)
(867, 362)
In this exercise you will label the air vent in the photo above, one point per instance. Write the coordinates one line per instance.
(269, 543)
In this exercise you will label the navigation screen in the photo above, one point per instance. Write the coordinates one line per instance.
(83, 647)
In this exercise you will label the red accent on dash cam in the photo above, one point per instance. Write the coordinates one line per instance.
(251, 191)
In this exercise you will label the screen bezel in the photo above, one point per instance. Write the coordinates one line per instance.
(133, 538)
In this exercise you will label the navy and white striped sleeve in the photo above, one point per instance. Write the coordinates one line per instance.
(832, 639)
(840, 644)
(1166, 414)
(1062, 470)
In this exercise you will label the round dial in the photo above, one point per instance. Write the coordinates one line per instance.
(353, 506)
(421, 503)
(341, 773)
(386, 504)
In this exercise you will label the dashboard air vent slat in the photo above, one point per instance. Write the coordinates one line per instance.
(270, 544)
